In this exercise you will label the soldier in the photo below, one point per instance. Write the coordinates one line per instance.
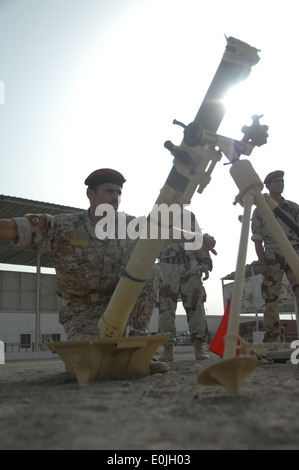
(273, 264)
(87, 268)
(182, 272)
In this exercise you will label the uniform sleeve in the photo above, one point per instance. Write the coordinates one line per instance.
(24, 232)
(204, 259)
(35, 231)
(256, 226)
(296, 213)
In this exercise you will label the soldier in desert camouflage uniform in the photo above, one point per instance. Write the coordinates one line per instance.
(182, 272)
(273, 264)
(87, 268)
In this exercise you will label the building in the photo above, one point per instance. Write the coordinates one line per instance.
(26, 309)
(29, 304)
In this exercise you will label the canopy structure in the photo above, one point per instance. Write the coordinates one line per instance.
(17, 207)
(11, 207)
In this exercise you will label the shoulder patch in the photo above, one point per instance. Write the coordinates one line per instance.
(42, 222)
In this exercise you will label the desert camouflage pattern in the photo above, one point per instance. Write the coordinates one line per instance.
(182, 278)
(278, 266)
(261, 232)
(173, 249)
(271, 290)
(85, 265)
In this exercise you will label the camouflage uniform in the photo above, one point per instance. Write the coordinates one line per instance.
(87, 269)
(181, 271)
(277, 265)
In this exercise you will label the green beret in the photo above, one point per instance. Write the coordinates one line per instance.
(105, 175)
(273, 175)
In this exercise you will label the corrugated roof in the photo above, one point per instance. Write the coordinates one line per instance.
(250, 270)
(17, 207)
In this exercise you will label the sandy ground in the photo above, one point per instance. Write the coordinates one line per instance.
(42, 408)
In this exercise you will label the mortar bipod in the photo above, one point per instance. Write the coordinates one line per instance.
(232, 369)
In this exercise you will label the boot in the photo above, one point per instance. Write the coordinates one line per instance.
(157, 367)
(167, 355)
(200, 355)
(268, 338)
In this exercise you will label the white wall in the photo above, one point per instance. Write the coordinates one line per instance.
(12, 325)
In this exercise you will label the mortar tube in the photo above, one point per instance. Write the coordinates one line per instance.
(113, 321)
(234, 67)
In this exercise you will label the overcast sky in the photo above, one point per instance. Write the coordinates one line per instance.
(87, 84)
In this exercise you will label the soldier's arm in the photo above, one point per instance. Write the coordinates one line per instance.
(8, 230)
(208, 241)
(204, 272)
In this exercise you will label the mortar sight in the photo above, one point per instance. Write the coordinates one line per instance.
(256, 134)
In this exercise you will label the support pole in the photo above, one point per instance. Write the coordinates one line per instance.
(37, 314)
(236, 302)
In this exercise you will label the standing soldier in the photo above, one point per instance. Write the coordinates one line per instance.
(182, 272)
(273, 264)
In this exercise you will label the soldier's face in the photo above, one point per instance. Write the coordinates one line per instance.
(276, 185)
(107, 193)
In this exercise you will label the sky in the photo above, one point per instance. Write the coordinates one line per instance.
(88, 84)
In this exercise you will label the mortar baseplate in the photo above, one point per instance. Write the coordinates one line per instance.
(228, 373)
(96, 359)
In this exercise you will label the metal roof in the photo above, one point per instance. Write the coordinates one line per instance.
(250, 270)
(17, 207)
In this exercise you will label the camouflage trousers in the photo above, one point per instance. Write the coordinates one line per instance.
(271, 290)
(184, 280)
(81, 321)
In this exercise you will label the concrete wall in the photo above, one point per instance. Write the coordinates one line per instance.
(182, 325)
(13, 325)
(252, 300)
(18, 292)
(20, 300)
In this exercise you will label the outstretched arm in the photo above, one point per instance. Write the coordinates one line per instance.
(208, 243)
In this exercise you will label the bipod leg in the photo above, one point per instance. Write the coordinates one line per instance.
(232, 369)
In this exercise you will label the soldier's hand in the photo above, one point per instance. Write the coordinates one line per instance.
(8, 230)
(208, 243)
(205, 272)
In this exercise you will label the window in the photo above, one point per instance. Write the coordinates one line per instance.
(50, 337)
(25, 341)
(55, 337)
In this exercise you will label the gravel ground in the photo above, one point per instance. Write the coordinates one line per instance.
(42, 408)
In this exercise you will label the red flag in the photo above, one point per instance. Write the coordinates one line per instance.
(217, 344)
